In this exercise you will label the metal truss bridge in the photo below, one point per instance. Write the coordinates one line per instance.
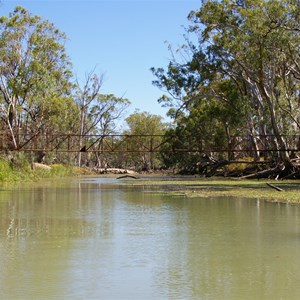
(112, 143)
(117, 143)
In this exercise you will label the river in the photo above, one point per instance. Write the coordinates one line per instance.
(96, 238)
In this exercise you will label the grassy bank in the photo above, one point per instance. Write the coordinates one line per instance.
(21, 170)
(249, 189)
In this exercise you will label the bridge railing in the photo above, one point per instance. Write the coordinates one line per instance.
(114, 143)
(84, 143)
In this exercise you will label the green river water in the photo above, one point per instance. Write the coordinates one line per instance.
(97, 238)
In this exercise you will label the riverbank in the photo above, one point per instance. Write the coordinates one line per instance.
(268, 190)
(22, 170)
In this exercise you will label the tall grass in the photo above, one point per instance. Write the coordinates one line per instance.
(10, 172)
(18, 168)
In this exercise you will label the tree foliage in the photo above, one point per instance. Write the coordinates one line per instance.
(240, 69)
(40, 101)
(34, 74)
(146, 131)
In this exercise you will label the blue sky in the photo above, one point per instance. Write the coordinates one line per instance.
(122, 38)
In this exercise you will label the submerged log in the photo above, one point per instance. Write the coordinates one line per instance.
(274, 187)
(127, 176)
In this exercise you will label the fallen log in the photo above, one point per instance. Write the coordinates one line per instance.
(294, 175)
(215, 165)
(274, 187)
(263, 174)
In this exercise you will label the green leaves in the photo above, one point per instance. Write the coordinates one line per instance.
(34, 69)
(240, 72)
(145, 123)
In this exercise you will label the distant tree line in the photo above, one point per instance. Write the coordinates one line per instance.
(232, 91)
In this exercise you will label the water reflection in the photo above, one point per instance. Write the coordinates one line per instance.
(98, 239)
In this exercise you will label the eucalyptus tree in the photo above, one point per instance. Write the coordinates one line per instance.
(98, 112)
(34, 73)
(257, 44)
(85, 95)
(208, 132)
(145, 130)
(254, 45)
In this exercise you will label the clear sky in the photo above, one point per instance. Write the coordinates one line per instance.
(122, 38)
